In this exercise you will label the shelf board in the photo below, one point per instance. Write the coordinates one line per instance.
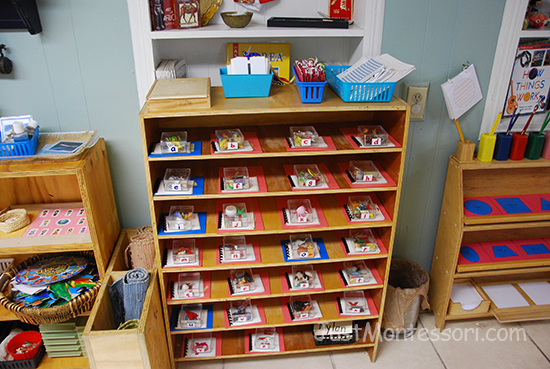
(274, 316)
(329, 274)
(279, 101)
(279, 154)
(488, 314)
(534, 33)
(254, 30)
(499, 220)
(272, 220)
(76, 362)
(271, 255)
(13, 243)
(511, 264)
(502, 273)
(297, 340)
(502, 164)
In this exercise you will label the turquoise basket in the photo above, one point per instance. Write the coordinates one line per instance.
(245, 85)
(358, 92)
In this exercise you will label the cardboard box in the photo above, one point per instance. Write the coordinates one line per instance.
(278, 55)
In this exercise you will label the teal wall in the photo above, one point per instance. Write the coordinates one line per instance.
(78, 74)
(437, 36)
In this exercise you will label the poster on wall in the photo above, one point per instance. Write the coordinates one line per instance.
(530, 82)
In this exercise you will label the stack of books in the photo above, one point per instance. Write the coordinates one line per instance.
(171, 68)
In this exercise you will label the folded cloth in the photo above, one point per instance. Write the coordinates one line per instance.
(116, 291)
(128, 295)
(136, 282)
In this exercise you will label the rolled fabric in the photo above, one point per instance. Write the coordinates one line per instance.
(116, 291)
(135, 284)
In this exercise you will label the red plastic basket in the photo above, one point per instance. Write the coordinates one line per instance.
(19, 340)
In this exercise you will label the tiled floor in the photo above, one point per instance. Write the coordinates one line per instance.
(467, 344)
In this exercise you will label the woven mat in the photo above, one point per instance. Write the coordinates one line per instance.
(88, 137)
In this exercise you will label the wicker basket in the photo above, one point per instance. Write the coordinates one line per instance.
(140, 253)
(51, 315)
(14, 219)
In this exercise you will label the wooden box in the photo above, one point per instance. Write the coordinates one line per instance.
(144, 347)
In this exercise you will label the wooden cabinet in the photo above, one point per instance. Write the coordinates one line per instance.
(83, 183)
(482, 179)
(143, 346)
(270, 119)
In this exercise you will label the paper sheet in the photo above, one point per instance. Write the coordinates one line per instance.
(505, 296)
(539, 292)
(462, 92)
(467, 295)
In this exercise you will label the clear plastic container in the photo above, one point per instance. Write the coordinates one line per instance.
(241, 311)
(189, 285)
(358, 273)
(230, 139)
(265, 339)
(364, 171)
(362, 208)
(300, 211)
(174, 142)
(184, 251)
(177, 179)
(201, 343)
(303, 277)
(304, 136)
(363, 240)
(301, 307)
(355, 302)
(309, 175)
(235, 215)
(242, 280)
(374, 135)
(236, 179)
(302, 246)
(180, 218)
(234, 248)
(190, 316)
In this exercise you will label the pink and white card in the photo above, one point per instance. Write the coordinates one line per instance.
(58, 222)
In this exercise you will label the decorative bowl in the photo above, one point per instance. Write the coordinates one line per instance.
(236, 20)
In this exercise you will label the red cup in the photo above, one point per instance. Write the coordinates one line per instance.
(19, 340)
(519, 142)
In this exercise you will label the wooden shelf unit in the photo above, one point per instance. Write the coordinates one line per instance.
(271, 118)
(495, 178)
(86, 183)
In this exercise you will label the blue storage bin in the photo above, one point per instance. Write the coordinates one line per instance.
(358, 92)
(245, 85)
(20, 148)
(310, 92)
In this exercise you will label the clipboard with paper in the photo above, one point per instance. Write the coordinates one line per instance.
(462, 92)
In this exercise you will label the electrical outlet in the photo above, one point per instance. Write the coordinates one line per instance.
(416, 98)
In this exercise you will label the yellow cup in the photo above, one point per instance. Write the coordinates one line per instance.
(486, 147)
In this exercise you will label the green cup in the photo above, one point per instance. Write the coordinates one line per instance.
(535, 142)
